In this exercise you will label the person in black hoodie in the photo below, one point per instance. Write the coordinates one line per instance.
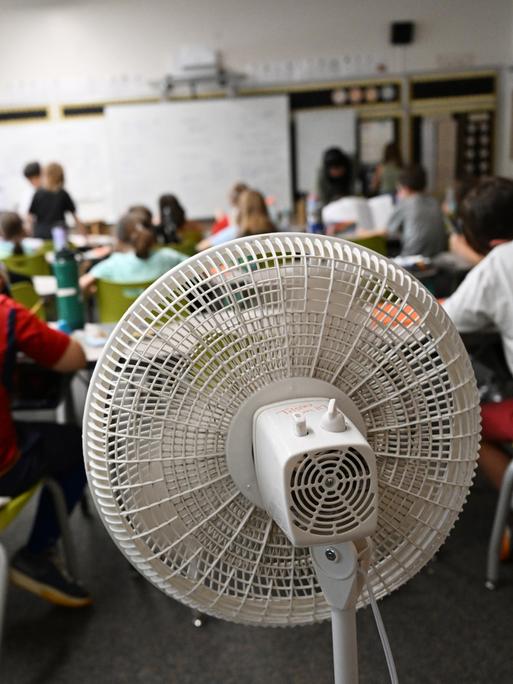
(335, 176)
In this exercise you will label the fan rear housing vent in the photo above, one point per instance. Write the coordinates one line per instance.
(320, 486)
(331, 492)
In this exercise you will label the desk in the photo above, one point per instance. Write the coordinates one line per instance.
(82, 241)
(92, 350)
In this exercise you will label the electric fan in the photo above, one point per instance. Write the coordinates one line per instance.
(281, 429)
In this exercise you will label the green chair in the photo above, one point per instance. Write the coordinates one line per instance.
(10, 508)
(187, 247)
(377, 243)
(28, 264)
(113, 299)
(24, 293)
(48, 246)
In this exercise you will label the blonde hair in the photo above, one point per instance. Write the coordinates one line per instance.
(253, 217)
(53, 177)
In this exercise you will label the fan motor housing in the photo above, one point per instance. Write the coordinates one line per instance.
(318, 484)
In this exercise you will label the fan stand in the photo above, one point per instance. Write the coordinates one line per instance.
(340, 570)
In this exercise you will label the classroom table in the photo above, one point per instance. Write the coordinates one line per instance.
(82, 241)
(92, 345)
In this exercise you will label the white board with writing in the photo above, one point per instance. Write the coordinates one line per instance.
(316, 130)
(374, 135)
(198, 150)
(79, 145)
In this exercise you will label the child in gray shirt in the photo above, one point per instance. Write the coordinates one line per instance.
(417, 220)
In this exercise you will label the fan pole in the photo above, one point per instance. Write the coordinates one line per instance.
(337, 567)
(345, 649)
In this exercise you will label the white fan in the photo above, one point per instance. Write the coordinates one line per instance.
(275, 424)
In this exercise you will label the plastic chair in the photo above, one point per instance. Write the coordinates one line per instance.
(28, 264)
(377, 243)
(24, 293)
(10, 508)
(381, 208)
(349, 210)
(499, 525)
(187, 247)
(113, 299)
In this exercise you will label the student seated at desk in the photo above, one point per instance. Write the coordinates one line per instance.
(51, 203)
(387, 172)
(458, 245)
(12, 236)
(223, 220)
(174, 226)
(253, 219)
(32, 451)
(142, 214)
(134, 260)
(334, 179)
(485, 300)
(417, 220)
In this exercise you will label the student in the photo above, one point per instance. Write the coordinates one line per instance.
(32, 451)
(485, 299)
(253, 219)
(417, 220)
(334, 179)
(134, 260)
(229, 219)
(458, 245)
(32, 173)
(142, 214)
(174, 227)
(51, 203)
(386, 175)
(12, 235)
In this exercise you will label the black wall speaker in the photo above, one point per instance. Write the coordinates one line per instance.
(402, 32)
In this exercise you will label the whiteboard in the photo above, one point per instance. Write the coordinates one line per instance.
(316, 130)
(79, 145)
(374, 135)
(198, 150)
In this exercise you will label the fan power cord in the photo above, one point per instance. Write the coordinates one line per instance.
(382, 632)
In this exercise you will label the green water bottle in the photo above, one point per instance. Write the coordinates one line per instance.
(70, 307)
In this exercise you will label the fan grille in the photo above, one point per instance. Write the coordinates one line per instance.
(210, 334)
(331, 492)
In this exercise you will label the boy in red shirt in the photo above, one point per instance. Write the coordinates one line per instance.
(31, 451)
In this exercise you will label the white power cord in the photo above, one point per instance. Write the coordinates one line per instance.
(382, 632)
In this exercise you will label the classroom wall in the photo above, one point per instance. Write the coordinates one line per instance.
(504, 137)
(88, 49)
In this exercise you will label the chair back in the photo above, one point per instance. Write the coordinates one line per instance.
(24, 293)
(27, 264)
(113, 299)
(11, 508)
(382, 208)
(377, 243)
(349, 210)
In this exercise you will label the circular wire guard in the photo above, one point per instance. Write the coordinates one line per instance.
(215, 330)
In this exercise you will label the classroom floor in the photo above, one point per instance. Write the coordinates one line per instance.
(444, 626)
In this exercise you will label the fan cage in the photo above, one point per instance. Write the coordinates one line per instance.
(218, 328)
